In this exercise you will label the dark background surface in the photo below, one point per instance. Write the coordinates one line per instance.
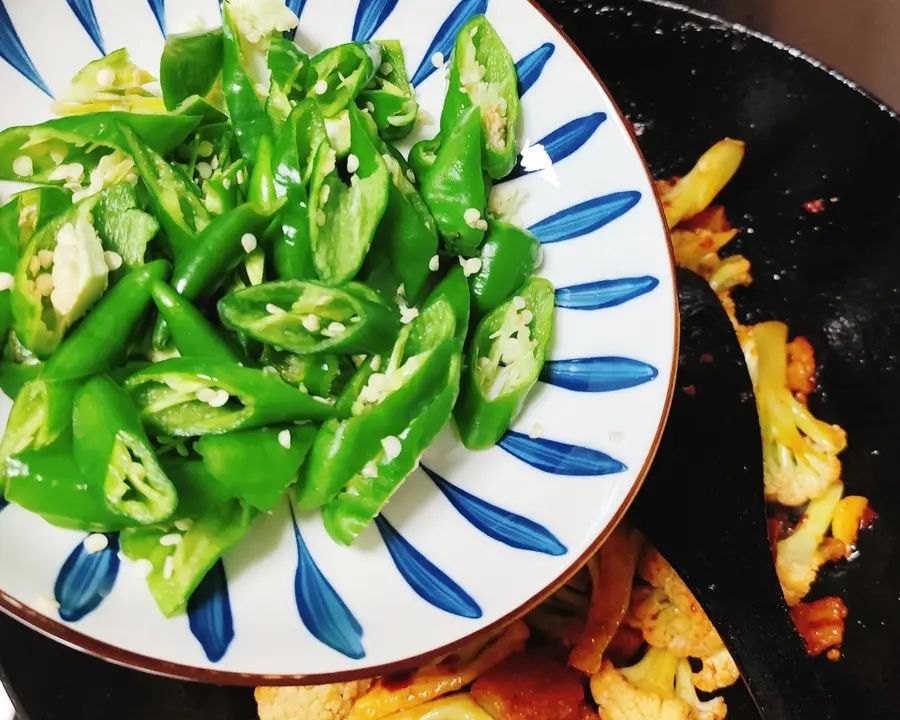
(833, 276)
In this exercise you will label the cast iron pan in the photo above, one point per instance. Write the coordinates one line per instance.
(834, 276)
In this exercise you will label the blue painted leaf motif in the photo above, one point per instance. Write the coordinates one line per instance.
(159, 12)
(321, 609)
(370, 15)
(446, 36)
(502, 525)
(85, 579)
(428, 581)
(598, 374)
(530, 67)
(585, 217)
(84, 11)
(296, 6)
(209, 613)
(13, 51)
(604, 293)
(3, 502)
(557, 146)
(559, 458)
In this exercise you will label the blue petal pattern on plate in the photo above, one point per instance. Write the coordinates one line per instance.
(159, 12)
(84, 11)
(3, 502)
(296, 6)
(12, 50)
(559, 458)
(370, 15)
(598, 374)
(530, 67)
(604, 293)
(321, 609)
(557, 145)
(585, 217)
(446, 36)
(85, 579)
(209, 613)
(430, 583)
(502, 525)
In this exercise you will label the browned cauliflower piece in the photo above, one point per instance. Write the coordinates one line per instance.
(310, 702)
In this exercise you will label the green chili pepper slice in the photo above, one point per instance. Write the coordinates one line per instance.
(453, 187)
(9, 258)
(190, 65)
(308, 317)
(37, 207)
(116, 456)
(340, 73)
(288, 66)
(422, 156)
(192, 333)
(344, 217)
(101, 340)
(257, 465)
(509, 257)
(392, 100)
(183, 397)
(319, 374)
(198, 491)
(49, 482)
(504, 362)
(178, 569)
(123, 227)
(483, 73)
(14, 376)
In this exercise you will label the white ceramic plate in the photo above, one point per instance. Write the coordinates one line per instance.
(476, 537)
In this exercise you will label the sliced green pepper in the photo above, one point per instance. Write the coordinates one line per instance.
(343, 218)
(214, 255)
(453, 187)
(102, 339)
(302, 135)
(123, 227)
(340, 73)
(14, 376)
(262, 181)
(248, 117)
(178, 569)
(9, 258)
(192, 333)
(33, 153)
(191, 63)
(198, 491)
(504, 362)
(509, 257)
(430, 325)
(37, 207)
(49, 482)
(308, 317)
(115, 455)
(347, 515)
(392, 100)
(288, 66)
(183, 397)
(60, 274)
(257, 465)
(321, 374)
(175, 199)
(208, 114)
(422, 156)
(483, 74)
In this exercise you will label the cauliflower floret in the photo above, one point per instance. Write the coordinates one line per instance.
(663, 625)
(718, 671)
(256, 20)
(645, 691)
(799, 451)
(799, 557)
(714, 709)
(80, 273)
(312, 702)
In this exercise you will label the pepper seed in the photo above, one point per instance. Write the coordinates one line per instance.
(284, 439)
(23, 166)
(248, 242)
(352, 163)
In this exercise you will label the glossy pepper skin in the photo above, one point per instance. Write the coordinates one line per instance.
(422, 156)
(49, 482)
(198, 491)
(116, 457)
(353, 62)
(166, 394)
(212, 534)
(254, 465)
(216, 252)
(122, 225)
(504, 362)
(71, 137)
(9, 258)
(190, 65)
(310, 318)
(392, 100)
(301, 136)
(36, 208)
(482, 72)
(455, 290)
(174, 198)
(454, 186)
(102, 339)
(322, 374)
(344, 218)
(288, 66)
(509, 256)
(248, 117)
(192, 334)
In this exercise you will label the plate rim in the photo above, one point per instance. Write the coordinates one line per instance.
(72, 638)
